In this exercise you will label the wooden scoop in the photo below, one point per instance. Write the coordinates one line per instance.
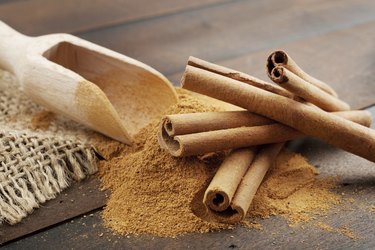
(104, 90)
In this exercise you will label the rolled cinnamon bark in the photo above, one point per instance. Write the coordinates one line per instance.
(239, 137)
(218, 140)
(311, 121)
(220, 192)
(239, 76)
(181, 124)
(281, 58)
(307, 91)
(362, 117)
(246, 189)
(253, 178)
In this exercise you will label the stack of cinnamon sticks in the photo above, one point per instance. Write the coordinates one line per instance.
(299, 105)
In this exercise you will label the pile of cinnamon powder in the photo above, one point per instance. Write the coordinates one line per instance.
(152, 192)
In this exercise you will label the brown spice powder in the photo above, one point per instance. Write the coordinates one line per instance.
(152, 192)
(345, 231)
(291, 188)
(42, 120)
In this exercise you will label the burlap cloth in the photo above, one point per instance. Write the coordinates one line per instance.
(36, 163)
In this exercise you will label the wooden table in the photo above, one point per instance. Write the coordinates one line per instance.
(334, 40)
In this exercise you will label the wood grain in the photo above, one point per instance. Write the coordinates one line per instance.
(7, 1)
(229, 30)
(70, 16)
(81, 198)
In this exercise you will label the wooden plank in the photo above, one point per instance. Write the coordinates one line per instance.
(229, 30)
(7, 1)
(81, 198)
(344, 59)
(89, 233)
(38, 17)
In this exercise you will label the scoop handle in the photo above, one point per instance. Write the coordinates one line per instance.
(13, 47)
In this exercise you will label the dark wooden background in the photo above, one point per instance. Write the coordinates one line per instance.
(333, 40)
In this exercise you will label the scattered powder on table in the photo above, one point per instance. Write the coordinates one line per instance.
(342, 230)
(252, 225)
(291, 188)
(152, 192)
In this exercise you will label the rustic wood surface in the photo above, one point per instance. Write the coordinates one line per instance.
(71, 16)
(80, 198)
(332, 40)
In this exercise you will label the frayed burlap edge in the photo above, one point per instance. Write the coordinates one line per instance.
(34, 169)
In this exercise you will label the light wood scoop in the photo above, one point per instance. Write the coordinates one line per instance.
(104, 90)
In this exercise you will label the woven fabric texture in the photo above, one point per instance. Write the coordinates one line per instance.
(36, 164)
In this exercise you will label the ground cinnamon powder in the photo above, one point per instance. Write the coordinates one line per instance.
(291, 188)
(342, 230)
(153, 192)
(42, 120)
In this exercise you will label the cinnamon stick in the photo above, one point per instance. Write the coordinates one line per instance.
(239, 76)
(220, 192)
(181, 124)
(254, 177)
(235, 210)
(281, 58)
(307, 91)
(311, 121)
(238, 137)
